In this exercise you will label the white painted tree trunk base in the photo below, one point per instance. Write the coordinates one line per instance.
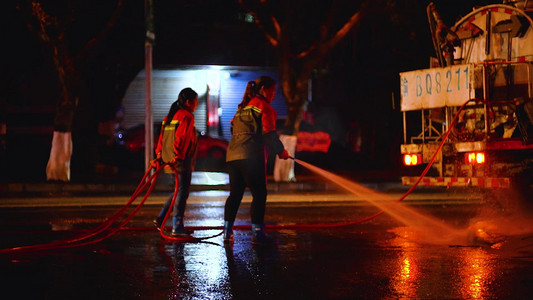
(58, 167)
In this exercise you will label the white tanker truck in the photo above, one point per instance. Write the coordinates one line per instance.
(475, 104)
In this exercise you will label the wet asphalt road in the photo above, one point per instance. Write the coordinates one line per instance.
(383, 258)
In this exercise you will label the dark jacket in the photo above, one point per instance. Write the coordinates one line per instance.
(253, 127)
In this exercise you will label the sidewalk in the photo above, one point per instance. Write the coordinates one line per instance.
(207, 187)
(201, 181)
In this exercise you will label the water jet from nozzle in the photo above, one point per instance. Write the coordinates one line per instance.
(433, 230)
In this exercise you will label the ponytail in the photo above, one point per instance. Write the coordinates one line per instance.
(187, 94)
(249, 93)
(253, 87)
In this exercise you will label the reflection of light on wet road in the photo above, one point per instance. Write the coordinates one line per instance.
(211, 193)
(200, 272)
(476, 272)
(406, 270)
(58, 224)
(405, 282)
(209, 178)
(473, 269)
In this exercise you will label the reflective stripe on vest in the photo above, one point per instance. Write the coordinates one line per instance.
(169, 136)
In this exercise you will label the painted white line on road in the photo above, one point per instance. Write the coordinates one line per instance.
(203, 198)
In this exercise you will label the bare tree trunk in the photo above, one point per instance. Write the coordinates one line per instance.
(69, 79)
(294, 116)
(296, 68)
(58, 167)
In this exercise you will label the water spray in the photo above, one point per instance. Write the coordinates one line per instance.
(362, 191)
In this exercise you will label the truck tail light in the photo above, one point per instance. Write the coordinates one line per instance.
(412, 159)
(475, 158)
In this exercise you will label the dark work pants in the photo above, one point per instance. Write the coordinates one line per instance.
(184, 179)
(246, 173)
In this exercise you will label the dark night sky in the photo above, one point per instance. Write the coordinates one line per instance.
(213, 32)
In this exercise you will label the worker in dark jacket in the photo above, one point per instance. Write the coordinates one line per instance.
(177, 145)
(253, 127)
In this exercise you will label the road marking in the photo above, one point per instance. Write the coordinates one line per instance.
(200, 198)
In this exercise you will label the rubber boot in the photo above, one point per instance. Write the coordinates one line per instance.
(258, 235)
(177, 227)
(228, 232)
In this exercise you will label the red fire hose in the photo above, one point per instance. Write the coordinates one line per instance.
(104, 230)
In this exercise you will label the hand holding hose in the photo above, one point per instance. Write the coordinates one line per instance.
(155, 163)
(284, 154)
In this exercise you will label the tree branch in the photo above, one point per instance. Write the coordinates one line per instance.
(277, 28)
(344, 30)
(274, 41)
(324, 29)
(308, 51)
(96, 41)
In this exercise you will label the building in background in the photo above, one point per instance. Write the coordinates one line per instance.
(219, 88)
